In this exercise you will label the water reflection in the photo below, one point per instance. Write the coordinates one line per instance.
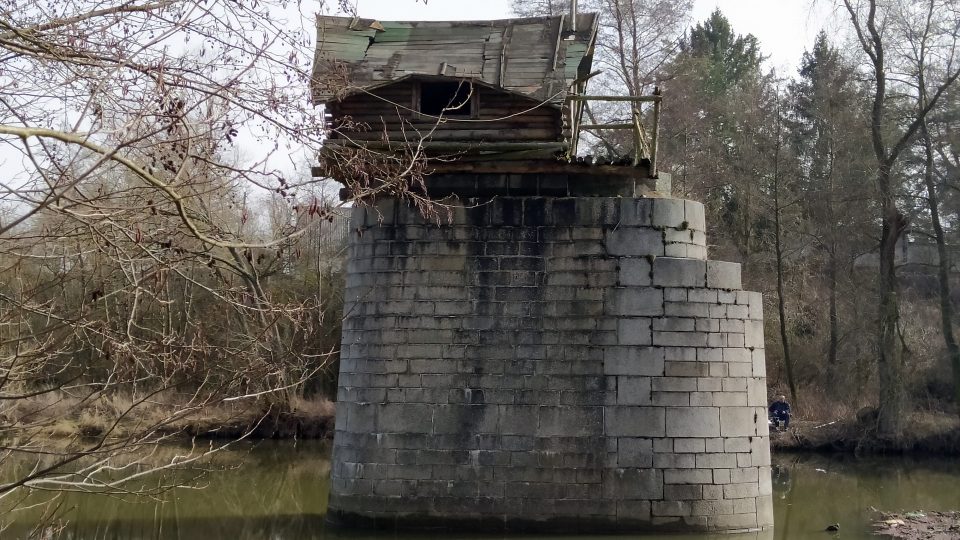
(267, 490)
(812, 492)
(278, 491)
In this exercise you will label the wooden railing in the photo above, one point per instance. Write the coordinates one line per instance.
(644, 144)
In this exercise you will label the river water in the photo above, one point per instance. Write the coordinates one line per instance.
(277, 491)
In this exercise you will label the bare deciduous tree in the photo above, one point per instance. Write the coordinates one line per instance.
(880, 26)
(155, 213)
(635, 41)
(932, 33)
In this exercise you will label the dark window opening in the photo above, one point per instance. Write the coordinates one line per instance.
(446, 98)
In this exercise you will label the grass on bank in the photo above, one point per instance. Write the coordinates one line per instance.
(58, 415)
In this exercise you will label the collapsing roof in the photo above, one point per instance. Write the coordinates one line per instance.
(537, 57)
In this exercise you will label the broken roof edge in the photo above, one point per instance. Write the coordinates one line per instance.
(350, 91)
(343, 44)
(358, 23)
(584, 74)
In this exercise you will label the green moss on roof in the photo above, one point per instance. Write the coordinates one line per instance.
(535, 57)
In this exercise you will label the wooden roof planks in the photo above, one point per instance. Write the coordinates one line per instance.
(536, 57)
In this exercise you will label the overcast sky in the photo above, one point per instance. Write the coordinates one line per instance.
(785, 28)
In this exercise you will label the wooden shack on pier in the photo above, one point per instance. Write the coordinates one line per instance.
(475, 90)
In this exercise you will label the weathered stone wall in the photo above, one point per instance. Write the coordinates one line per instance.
(545, 363)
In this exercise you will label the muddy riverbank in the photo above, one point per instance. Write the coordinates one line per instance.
(926, 433)
(918, 525)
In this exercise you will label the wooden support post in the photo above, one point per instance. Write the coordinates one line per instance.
(656, 135)
(645, 147)
(607, 126)
(638, 141)
(635, 99)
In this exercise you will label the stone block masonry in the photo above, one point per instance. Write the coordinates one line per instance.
(549, 364)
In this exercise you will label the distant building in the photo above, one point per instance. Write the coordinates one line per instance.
(913, 256)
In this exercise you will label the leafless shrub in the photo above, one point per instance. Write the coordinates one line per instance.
(158, 257)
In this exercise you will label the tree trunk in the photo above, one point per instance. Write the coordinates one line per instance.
(892, 402)
(890, 351)
(833, 370)
(943, 268)
(781, 305)
(778, 246)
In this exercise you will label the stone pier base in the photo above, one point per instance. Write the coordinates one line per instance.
(549, 364)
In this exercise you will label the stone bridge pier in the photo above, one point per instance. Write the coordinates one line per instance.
(549, 363)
